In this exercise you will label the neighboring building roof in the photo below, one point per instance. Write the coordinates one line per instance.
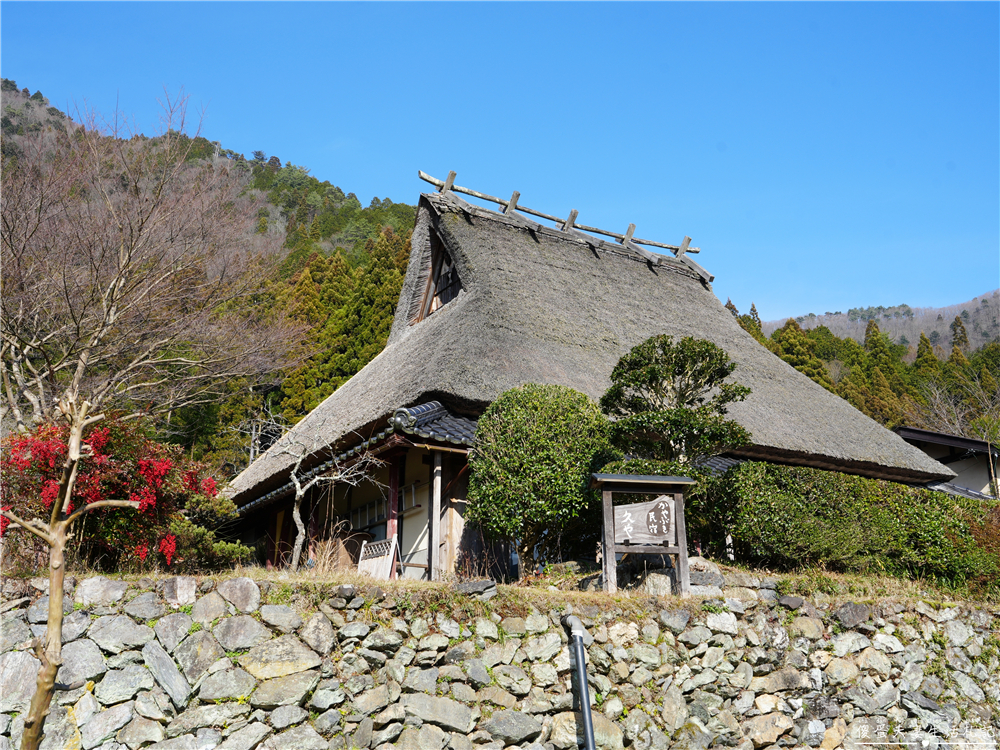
(970, 445)
(955, 489)
(548, 306)
(719, 465)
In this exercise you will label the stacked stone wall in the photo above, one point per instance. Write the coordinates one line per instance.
(187, 664)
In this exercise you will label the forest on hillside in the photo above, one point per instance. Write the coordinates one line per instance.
(950, 387)
(904, 324)
(313, 293)
(331, 276)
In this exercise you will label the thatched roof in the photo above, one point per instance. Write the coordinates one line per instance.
(546, 306)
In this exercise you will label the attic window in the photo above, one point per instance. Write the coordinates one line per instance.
(443, 284)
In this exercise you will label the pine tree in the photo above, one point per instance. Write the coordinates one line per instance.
(853, 388)
(926, 364)
(751, 324)
(879, 354)
(824, 344)
(872, 396)
(876, 344)
(309, 384)
(959, 337)
(306, 300)
(796, 349)
(361, 305)
(884, 405)
(958, 363)
(748, 324)
(369, 314)
(987, 381)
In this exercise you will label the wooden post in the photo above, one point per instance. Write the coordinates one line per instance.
(392, 509)
(449, 182)
(682, 250)
(512, 203)
(683, 577)
(434, 520)
(628, 235)
(608, 557)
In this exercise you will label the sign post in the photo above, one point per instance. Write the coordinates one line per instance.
(655, 526)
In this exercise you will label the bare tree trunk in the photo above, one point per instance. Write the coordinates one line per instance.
(300, 534)
(51, 656)
(525, 559)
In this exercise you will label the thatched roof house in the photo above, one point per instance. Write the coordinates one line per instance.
(492, 301)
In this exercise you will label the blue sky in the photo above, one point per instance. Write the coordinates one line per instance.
(823, 155)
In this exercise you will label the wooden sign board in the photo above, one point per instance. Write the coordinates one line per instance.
(654, 527)
(646, 523)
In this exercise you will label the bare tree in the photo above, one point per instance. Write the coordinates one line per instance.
(258, 431)
(131, 274)
(129, 280)
(361, 467)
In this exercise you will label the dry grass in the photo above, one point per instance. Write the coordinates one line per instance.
(307, 588)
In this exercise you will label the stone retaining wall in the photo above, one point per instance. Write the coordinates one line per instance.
(189, 665)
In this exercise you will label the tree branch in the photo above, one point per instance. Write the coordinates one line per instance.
(37, 528)
(103, 504)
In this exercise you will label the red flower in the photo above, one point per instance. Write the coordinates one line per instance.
(88, 486)
(168, 546)
(50, 491)
(47, 446)
(4, 521)
(208, 488)
(146, 498)
(20, 454)
(141, 551)
(98, 438)
(154, 470)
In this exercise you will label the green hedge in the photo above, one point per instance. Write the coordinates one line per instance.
(789, 517)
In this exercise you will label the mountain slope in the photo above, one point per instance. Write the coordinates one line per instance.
(904, 324)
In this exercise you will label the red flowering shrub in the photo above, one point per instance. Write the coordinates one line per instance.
(168, 546)
(178, 502)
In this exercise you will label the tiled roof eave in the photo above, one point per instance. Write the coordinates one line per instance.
(454, 430)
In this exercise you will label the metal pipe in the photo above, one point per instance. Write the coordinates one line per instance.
(578, 634)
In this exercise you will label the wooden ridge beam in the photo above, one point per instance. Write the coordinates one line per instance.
(569, 225)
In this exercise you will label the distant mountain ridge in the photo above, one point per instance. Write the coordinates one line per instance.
(904, 324)
(24, 112)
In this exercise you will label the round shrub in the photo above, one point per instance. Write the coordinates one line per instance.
(536, 447)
